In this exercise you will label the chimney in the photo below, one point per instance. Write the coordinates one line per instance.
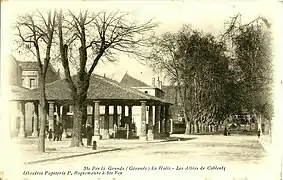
(153, 82)
(158, 83)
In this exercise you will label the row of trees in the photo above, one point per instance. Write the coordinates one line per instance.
(214, 80)
(218, 77)
(79, 40)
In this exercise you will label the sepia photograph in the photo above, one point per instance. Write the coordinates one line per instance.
(114, 90)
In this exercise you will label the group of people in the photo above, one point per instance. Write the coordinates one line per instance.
(57, 134)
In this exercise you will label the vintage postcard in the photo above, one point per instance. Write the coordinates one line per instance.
(141, 90)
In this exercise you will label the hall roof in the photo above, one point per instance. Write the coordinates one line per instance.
(132, 82)
(100, 88)
(18, 89)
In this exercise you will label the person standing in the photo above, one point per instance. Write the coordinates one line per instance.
(60, 132)
(56, 132)
(225, 131)
(258, 133)
(88, 134)
(50, 134)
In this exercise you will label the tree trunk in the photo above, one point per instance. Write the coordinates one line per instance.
(188, 127)
(77, 125)
(43, 114)
(217, 128)
(195, 127)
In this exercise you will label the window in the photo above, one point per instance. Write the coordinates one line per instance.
(71, 109)
(146, 92)
(32, 83)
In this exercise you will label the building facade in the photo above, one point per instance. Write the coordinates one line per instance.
(24, 77)
(29, 75)
(155, 89)
(110, 109)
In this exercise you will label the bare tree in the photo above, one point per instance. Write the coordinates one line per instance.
(35, 34)
(99, 36)
(166, 57)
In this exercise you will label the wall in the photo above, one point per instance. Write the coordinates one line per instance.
(15, 72)
(22, 77)
(26, 76)
(152, 91)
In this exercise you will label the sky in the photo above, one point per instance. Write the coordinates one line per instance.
(207, 16)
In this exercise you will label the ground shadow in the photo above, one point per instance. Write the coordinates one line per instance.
(185, 139)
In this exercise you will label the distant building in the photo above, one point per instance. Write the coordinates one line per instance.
(153, 90)
(110, 105)
(23, 77)
(15, 72)
(29, 75)
(169, 93)
(172, 95)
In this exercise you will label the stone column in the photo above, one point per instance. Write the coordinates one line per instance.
(157, 119)
(106, 123)
(123, 116)
(35, 120)
(161, 121)
(166, 121)
(64, 121)
(22, 132)
(92, 118)
(171, 126)
(115, 115)
(150, 123)
(115, 120)
(51, 116)
(96, 120)
(143, 121)
(130, 114)
(58, 113)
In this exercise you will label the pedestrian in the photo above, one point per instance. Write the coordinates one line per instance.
(50, 134)
(60, 132)
(55, 132)
(46, 132)
(88, 134)
(258, 133)
(225, 131)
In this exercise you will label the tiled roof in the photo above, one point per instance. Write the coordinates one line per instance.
(18, 89)
(132, 82)
(28, 65)
(100, 88)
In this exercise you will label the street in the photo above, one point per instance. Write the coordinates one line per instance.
(197, 156)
